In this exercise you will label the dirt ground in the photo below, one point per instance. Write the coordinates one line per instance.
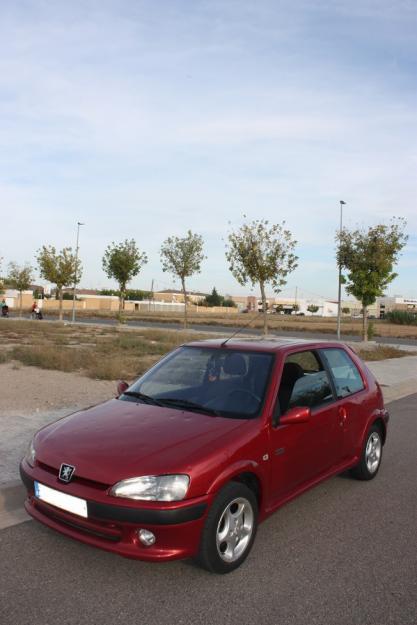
(29, 389)
(32, 397)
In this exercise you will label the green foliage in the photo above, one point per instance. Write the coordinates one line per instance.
(131, 294)
(295, 307)
(369, 256)
(262, 254)
(213, 300)
(370, 331)
(122, 262)
(313, 308)
(60, 268)
(19, 278)
(182, 257)
(402, 317)
(218, 300)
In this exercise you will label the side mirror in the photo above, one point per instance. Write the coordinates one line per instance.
(122, 386)
(299, 414)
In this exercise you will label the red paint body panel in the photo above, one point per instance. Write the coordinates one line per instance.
(118, 440)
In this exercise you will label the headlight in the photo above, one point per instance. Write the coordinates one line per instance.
(31, 454)
(153, 487)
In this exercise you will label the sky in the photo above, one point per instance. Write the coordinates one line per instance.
(144, 119)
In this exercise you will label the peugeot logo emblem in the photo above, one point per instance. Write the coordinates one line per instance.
(66, 472)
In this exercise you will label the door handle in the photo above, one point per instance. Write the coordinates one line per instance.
(342, 416)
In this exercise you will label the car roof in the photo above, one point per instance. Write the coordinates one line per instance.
(268, 344)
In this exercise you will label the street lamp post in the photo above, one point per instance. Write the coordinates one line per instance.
(339, 296)
(75, 272)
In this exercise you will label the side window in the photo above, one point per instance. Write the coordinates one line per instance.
(346, 375)
(304, 382)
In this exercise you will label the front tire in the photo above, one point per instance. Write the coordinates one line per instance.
(230, 529)
(371, 456)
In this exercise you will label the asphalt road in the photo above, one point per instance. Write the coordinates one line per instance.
(228, 330)
(343, 553)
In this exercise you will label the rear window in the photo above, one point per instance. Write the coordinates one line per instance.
(346, 375)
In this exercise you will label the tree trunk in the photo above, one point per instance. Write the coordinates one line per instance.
(364, 323)
(265, 329)
(61, 295)
(185, 302)
(121, 302)
(21, 303)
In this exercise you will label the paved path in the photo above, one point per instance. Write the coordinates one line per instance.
(342, 554)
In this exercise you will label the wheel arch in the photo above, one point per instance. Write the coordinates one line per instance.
(247, 473)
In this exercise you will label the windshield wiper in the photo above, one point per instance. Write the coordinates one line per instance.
(177, 402)
(145, 398)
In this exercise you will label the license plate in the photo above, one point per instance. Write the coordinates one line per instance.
(61, 500)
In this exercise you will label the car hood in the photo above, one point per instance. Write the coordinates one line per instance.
(121, 439)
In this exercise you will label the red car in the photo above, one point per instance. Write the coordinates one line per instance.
(188, 460)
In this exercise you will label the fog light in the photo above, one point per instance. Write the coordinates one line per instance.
(146, 537)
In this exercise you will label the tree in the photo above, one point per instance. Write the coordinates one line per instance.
(214, 299)
(229, 303)
(261, 254)
(313, 308)
(20, 278)
(345, 310)
(368, 256)
(122, 262)
(130, 294)
(60, 268)
(295, 307)
(182, 257)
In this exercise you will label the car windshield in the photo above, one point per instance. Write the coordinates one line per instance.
(221, 382)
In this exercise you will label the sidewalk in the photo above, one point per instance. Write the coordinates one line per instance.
(397, 376)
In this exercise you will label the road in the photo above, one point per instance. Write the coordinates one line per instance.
(228, 330)
(343, 553)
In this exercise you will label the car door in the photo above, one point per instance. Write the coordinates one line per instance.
(301, 452)
(352, 402)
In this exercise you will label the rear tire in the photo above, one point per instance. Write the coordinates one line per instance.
(230, 529)
(371, 456)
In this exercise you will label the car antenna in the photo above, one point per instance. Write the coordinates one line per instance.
(239, 329)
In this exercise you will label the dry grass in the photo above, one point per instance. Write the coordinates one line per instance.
(106, 353)
(382, 352)
(100, 353)
(275, 322)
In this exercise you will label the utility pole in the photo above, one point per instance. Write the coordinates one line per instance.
(75, 272)
(339, 296)
(151, 296)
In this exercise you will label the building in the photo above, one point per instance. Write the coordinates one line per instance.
(388, 304)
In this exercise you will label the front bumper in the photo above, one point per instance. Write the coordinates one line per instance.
(177, 526)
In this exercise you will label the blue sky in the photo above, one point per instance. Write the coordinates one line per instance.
(143, 119)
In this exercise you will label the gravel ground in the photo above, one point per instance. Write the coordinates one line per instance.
(30, 398)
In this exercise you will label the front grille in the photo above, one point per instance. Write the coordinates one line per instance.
(76, 478)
